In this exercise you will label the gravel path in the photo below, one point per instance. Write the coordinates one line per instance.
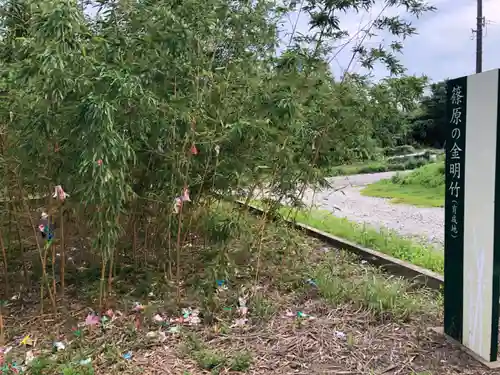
(411, 221)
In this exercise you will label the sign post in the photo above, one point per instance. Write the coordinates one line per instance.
(472, 214)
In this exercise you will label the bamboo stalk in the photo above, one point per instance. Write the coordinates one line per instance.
(40, 252)
(63, 253)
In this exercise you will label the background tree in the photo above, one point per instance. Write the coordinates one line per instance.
(394, 100)
(429, 122)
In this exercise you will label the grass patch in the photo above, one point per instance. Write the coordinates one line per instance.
(385, 241)
(215, 360)
(423, 187)
(378, 166)
(368, 289)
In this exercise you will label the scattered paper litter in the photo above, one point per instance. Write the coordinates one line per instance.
(312, 282)
(242, 308)
(174, 329)
(58, 345)
(158, 318)
(127, 355)
(298, 314)
(29, 357)
(301, 314)
(5, 350)
(340, 335)
(27, 341)
(221, 285)
(239, 322)
(138, 307)
(189, 316)
(85, 362)
(92, 319)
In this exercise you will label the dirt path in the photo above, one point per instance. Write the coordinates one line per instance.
(407, 220)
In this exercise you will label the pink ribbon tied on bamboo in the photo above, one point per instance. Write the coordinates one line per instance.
(193, 149)
(59, 193)
(180, 200)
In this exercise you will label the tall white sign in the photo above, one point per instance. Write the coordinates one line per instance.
(472, 213)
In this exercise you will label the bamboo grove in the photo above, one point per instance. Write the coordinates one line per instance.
(122, 121)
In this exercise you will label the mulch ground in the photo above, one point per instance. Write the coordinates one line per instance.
(338, 341)
(341, 341)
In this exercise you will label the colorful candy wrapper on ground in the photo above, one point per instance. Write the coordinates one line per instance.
(3, 352)
(17, 369)
(303, 315)
(59, 193)
(158, 318)
(77, 332)
(190, 316)
(138, 307)
(26, 341)
(221, 285)
(127, 355)
(311, 282)
(92, 320)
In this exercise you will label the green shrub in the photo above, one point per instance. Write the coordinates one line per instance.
(422, 187)
(431, 175)
(399, 150)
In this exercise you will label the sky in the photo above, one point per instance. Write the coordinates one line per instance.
(443, 48)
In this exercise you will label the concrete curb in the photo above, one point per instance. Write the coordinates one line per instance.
(389, 264)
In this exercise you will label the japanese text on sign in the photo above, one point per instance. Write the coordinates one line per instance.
(455, 156)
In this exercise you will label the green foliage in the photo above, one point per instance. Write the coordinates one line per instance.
(129, 106)
(378, 166)
(431, 176)
(396, 99)
(241, 361)
(399, 150)
(367, 289)
(213, 359)
(424, 186)
(429, 123)
(325, 22)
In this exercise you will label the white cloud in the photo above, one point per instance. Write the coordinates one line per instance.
(443, 48)
(446, 47)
